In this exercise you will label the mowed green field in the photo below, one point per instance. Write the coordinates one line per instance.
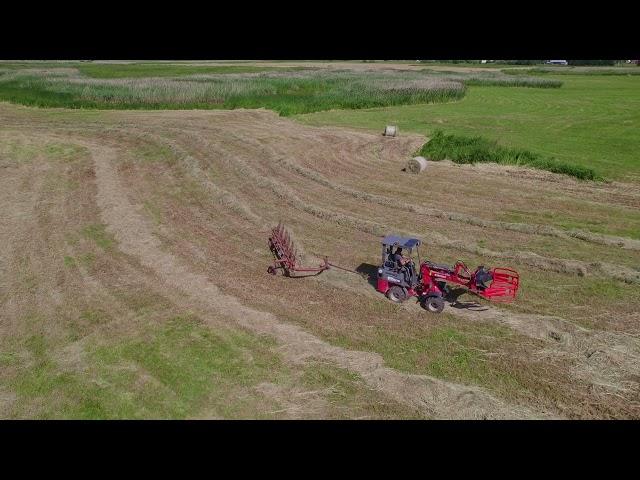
(591, 120)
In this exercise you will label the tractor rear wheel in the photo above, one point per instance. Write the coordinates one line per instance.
(434, 304)
(396, 294)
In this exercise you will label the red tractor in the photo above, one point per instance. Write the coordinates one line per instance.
(399, 279)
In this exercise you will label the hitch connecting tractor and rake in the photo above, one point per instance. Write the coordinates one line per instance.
(400, 281)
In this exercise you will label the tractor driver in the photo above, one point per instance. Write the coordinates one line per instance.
(399, 259)
(403, 263)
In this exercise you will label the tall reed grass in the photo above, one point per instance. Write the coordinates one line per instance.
(463, 149)
(287, 92)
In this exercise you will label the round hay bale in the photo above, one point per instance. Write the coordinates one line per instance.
(417, 164)
(391, 131)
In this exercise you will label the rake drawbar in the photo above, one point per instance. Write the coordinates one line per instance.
(286, 255)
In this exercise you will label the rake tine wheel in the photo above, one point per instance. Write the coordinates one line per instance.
(286, 254)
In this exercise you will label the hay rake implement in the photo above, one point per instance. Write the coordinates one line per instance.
(286, 255)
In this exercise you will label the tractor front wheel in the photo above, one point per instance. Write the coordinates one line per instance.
(396, 294)
(434, 304)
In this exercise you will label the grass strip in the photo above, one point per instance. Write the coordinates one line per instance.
(477, 149)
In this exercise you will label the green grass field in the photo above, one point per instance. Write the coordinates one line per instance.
(591, 121)
(582, 121)
(464, 149)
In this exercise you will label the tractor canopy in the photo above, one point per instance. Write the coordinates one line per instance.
(393, 240)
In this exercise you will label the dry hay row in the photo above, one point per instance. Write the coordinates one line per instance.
(617, 193)
(223, 197)
(282, 191)
(597, 357)
(355, 152)
(287, 194)
(429, 395)
(188, 164)
(546, 230)
(560, 265)
(602, 358)
(191, 167)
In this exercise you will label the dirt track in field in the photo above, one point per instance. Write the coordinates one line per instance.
(229, 176)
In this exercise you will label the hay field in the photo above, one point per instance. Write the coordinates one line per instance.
(591, 120)
(133, 276)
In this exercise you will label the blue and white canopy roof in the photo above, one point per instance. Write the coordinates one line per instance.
(403, 242)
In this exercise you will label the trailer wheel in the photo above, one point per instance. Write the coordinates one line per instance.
(434, 304)
(396, 294)
(271, 270)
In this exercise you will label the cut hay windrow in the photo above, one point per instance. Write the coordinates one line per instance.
(560, 265)
(545, 230)
(594, 347)
(602, 239)
(227, 199)
(285, 193)
(190, 165)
